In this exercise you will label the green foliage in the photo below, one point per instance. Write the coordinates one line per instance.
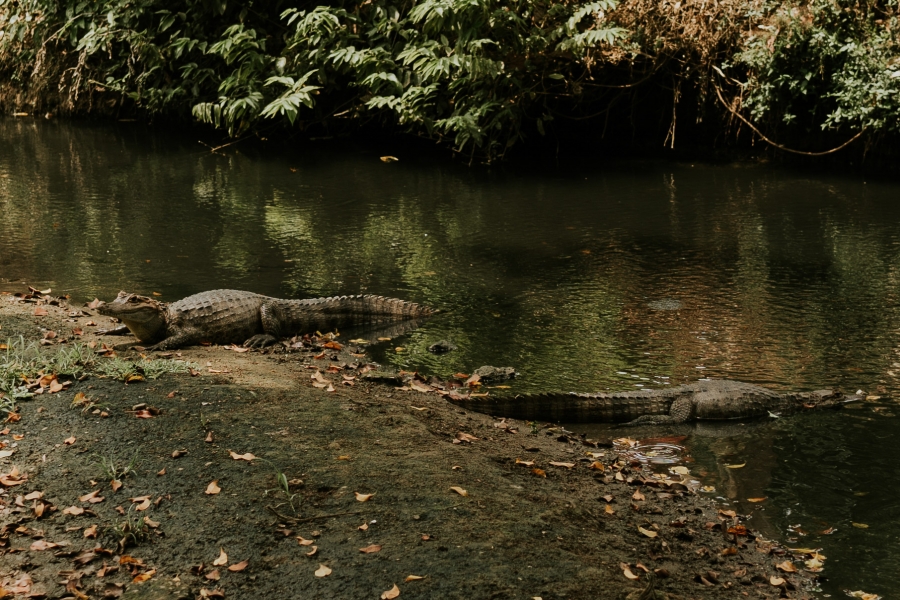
(479, 75)
(824, 64)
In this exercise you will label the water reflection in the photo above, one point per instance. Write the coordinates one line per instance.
(587, 278)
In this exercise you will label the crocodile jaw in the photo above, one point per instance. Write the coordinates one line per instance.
(143, 316)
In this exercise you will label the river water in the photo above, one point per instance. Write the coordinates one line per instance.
(583, 277)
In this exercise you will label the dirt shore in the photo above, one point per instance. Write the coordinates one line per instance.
(372, 490)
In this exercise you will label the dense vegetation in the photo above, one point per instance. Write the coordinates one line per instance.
(480, 75)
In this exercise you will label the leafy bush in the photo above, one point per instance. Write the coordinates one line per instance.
(479, 75)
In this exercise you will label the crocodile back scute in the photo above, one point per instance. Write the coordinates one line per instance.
(217, 316)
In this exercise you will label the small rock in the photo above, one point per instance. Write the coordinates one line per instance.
(488, 374)
(441, 347)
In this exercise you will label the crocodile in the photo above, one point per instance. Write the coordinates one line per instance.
(234, 316)
(708, 400)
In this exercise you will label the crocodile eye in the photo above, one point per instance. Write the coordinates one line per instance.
(132, 299)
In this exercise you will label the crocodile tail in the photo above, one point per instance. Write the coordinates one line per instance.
(346, 311)
(570, 407)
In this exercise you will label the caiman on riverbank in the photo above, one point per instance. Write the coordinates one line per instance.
(233, 316)
(709, 400)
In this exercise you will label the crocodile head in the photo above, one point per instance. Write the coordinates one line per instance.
(826, 399)
(144, 317)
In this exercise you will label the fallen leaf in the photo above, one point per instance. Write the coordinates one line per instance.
(776, 581)
(527, 463)
(786, 566)
(179, 453)
(150, 522)
(93, 497)
(363, 527)
(756, 499)
(223, 558)
(413, 578)
(562, 464)
(370, 549)
(115, 484)
(680, 470)
(539, 472)
(239, 566)
(740, 466)
(312, 551)
(144, 576)
(209, 438)
(465, 437)
(248, 457)
(143, 505)
(322, 571)
(42, 545)
(35, 495)
(391, 593)
(213, 575)
(626, 570)
(638, 495)
(161, 472)
(610, 510)
(649, 533)
(213, 488)
(91, 532)
(597, 466)
(363, 497)
(40, 311)
(73, 510)
(459, 490)
(69, 441)
(860, 525)
(303, 542)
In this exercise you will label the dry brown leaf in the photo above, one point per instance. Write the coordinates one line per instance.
(786, 566)
(42, 545)
(539, 472)
(465, 437)
(363, 527)
(637, 495)
(567, 465)
(527, 463)
(73, 510)
(93, 497)
(144, 576)
(626, 570)
(69, 441)
(213, 575)
(305, 542)
(312, 551)
(459, 490)
(248, 457)
(143, 505)
(115, 484)
(775, 580)
(648, 532)
(370, 549)
(392, 593)
(239, 566)
(91, 532)
(756, 499)
(597, 466)
(34, 495)
(610, 510)
(213, 488)
(740, 466)
(223, 558)
(364, 497)
(322, 571)
(150, 522)
(413, 578)
(209, 438)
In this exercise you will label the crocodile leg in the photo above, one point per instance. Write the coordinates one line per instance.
(680, 412)
(185, 337)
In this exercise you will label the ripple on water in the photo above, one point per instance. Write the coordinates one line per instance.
(665, 304)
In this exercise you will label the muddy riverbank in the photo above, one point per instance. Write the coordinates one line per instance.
(289, 473)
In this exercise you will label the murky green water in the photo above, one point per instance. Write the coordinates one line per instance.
(582, 277)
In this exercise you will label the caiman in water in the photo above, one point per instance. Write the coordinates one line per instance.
(708, 400)
(233, 316)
